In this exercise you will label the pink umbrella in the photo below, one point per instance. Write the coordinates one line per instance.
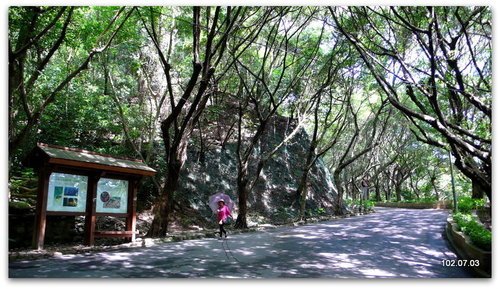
(214, 200)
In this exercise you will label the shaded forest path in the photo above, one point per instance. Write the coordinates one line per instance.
(390, 243)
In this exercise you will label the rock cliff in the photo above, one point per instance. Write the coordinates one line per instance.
(274, 196)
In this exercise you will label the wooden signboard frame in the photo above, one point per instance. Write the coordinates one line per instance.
(48, 162)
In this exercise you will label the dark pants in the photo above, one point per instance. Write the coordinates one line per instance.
(221, 230)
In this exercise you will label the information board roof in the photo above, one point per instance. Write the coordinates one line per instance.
(87, 159)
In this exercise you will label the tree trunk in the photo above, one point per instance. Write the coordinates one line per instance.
(378, 197)
(175, 161)
(417, 195)
(16, 79)
(398, 192)
(241, 220)
(414, 187)
(201, 153)
(433, 182)
(302, 189)
(302, 192)
(339, 205)
(162, 210)
(477, 192)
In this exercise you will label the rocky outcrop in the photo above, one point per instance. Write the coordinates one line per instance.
(275, 191)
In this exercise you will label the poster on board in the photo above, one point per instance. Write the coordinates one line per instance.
(112, 196)
(67, 193)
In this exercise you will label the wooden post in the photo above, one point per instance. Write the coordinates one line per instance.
(41, 208)
(130, 223)
(90, 218)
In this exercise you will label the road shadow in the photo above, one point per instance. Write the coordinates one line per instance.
(392, 243)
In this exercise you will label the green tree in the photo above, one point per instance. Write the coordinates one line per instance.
(210, 30)
(269, 75)
(38, 37)
(434, 66)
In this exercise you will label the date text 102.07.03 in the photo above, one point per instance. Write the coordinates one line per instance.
(460, 263)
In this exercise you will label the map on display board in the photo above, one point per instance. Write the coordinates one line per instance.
(67, 193)
(112, 196)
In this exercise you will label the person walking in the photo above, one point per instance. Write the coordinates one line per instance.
(223, 213)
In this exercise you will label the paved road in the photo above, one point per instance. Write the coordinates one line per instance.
(391, 243)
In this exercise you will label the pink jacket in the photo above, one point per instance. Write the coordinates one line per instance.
(223, 213)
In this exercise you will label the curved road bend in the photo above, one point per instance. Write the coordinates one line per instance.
(391, 243)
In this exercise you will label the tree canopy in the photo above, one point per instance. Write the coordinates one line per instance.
(384, 93)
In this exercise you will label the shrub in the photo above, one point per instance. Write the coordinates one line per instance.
(479, 235)
(348, 202)
(320, 211)
(368, 205)
(19, 205)
(467, 204)
(284, 215)
(316, 212)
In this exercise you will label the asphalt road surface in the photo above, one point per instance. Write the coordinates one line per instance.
(391, 243)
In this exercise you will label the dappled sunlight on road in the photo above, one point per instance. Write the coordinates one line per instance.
(400, 236)
(376, 273)
(388, 244)
(244, 252)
